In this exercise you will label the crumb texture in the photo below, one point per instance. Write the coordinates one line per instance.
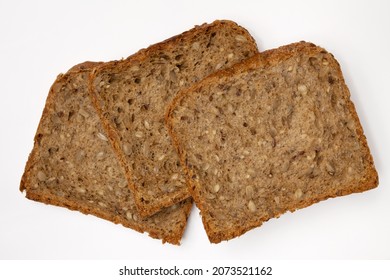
(277, 133)
(132, 96)
(73, 165)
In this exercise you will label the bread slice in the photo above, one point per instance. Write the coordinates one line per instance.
(132, 96)
(72, 164)
(275, 133)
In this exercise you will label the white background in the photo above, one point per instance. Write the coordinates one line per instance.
(39, 39)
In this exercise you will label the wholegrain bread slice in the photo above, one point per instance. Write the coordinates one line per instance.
(132, 95)
(275, 133)
(72, 164)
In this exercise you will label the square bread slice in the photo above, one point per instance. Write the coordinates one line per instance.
(275, 133)
(72, 164)
(132, 95)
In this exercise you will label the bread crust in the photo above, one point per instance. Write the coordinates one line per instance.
(266, 60)
(147, 209)
(172, 235)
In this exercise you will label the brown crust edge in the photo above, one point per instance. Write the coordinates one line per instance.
(173, 238)
(111, 132)
(267, 59)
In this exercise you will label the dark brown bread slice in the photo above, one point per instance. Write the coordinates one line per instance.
(131, 97)
(72, 164)
(275, 133)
